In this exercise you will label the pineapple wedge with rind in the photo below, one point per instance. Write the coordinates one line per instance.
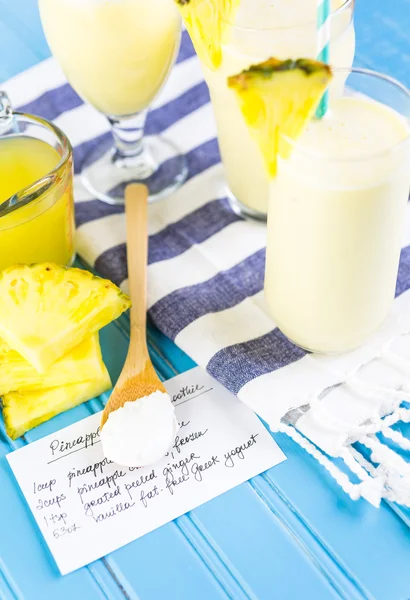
(206, 22)
(277, 99)
(46, 309)
(83, 363)
(24, 410)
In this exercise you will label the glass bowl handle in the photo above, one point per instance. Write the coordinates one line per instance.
(6, 111)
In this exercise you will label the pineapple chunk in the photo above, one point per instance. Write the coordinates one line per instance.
(206, 22)
(84, 363)
(278, 99)
(47, 310)
(24, 410)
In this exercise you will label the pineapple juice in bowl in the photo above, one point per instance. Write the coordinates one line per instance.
(36, 196)
(257, 30)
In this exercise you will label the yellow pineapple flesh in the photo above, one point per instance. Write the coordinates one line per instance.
(83, 363)
(206, 22)
(24, 410)
(278, 99)
(46, 310)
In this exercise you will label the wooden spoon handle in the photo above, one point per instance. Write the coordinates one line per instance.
(136, 200)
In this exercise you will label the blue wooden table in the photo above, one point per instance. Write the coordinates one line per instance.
(286, 534)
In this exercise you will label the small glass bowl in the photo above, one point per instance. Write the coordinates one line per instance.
(37, 221)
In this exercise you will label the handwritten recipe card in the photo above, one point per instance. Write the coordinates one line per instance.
(87, 506)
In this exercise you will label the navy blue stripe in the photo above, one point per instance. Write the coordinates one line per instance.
(112, 264)
(198, 160)
(54, 103)
(173, 240)
(403, 279)
(163, 117)
(94, 209)
(195, 228)
(237, 365)
(186, 50)
(227, 289)
(99, 144)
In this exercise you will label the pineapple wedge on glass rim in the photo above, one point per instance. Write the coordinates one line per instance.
(46, 310)
(278, 98)
(24, 410)
(83, 363)
(206, 22)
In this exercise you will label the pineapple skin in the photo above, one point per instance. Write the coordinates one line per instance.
(81, 364)
(277, 99)
(23, 411)
(271, 66)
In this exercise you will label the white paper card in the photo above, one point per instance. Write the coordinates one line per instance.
(87, 507)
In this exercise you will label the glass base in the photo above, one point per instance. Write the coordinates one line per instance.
(324, 352)
(313, 350)
(245, 211)
(159, 166)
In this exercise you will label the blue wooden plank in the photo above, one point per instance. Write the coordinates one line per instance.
(163, 564)
(371, 546)
(25, 563)
(258, 546)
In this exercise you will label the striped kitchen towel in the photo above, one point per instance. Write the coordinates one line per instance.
(206, 268)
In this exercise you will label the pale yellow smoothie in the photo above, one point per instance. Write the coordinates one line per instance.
(262, 29)
(116, 53)
(336, 217)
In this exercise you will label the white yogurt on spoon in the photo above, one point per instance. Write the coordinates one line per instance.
(140, 433)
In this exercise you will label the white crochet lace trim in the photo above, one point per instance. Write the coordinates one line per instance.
(385, 473)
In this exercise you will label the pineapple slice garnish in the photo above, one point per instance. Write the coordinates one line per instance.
(84, 363)
(24, 410)
(46, 310)
(277, 99)
(206, 22)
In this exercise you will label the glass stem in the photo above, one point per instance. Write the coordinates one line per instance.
(128, 136)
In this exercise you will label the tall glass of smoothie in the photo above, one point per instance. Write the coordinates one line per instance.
(117, 55)
(336, 217)
(257, 30)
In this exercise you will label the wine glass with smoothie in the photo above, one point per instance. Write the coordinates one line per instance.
(237, 34)
(117, 55)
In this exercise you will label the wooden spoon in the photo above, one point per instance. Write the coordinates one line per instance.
(138, 377)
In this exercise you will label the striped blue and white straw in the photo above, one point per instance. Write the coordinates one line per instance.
(323, 46)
